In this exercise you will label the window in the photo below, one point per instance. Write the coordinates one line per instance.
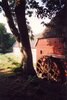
(41, 52)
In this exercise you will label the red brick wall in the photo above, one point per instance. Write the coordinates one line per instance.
(49, 46)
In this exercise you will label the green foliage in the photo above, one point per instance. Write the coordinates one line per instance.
(44, 8)
(6, 39)
(31, 37)
(2, 29)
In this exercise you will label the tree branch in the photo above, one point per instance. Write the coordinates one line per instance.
(1, 4)
(11, 24)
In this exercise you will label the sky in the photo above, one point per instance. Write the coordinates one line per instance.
(4, 21)
(35, 24)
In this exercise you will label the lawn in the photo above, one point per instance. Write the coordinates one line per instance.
(17, 87)
(9, 61)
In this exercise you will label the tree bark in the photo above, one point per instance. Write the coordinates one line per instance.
(21, 33)
(20, 14)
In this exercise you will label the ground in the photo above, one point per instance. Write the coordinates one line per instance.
(14, 86)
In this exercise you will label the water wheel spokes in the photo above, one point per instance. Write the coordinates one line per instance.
(47, 68)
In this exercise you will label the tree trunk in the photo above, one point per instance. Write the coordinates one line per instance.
(10, 21)
(22, 34)
(20, 14)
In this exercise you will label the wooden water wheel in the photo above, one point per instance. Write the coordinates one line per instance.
(47, 67)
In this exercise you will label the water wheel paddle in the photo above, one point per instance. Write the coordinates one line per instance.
(47, 67)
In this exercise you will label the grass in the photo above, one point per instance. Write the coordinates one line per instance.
(9, 61)
(31, 88)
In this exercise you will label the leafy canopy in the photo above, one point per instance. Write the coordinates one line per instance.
(6, 39)
(41, 8)
(2, 28)
(44, 8)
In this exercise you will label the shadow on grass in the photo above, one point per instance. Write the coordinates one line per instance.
(6, 72)
(17, 87)
(10, 71)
